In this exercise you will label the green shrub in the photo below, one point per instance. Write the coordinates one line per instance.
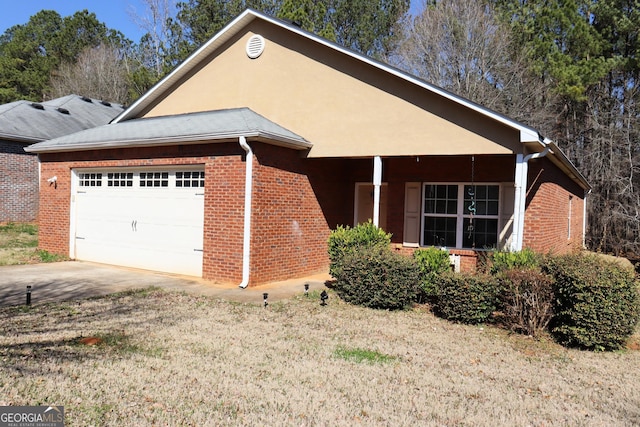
(506, 260)
(597, 302)
(433, 263)
(376, 277)
(526, 300)
(344, 241)
(466, 298)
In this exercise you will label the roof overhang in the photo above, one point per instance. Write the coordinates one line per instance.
(560, 160)
(184, 129)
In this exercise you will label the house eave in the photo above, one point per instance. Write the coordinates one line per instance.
(19, 138)
(266, 137)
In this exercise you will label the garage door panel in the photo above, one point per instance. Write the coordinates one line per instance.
(151, 227)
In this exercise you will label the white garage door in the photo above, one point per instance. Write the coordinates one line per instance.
(143, 218)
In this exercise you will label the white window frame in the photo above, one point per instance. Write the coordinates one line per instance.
(460, 215)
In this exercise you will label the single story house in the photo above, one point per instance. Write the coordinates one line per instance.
(23, 123)
(236, 166)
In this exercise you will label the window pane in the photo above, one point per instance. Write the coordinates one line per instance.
(483, 197)
(439, 231)
(441, 199)
(483, 234)
(494, 192)
(492, 208)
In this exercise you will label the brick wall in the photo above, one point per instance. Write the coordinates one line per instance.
(289, 231)
(296, 202)
(19, 183)
(398, 171)
(290, 224)
(547, 223)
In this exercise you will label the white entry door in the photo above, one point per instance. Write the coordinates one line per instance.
(151, 219)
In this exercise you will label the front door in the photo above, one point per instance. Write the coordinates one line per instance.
(364, 204)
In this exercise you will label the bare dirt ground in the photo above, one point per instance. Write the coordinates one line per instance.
(161, 358)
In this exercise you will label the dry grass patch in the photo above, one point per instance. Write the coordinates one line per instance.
(18, 245)
(168, 358)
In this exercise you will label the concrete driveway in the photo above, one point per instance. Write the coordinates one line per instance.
(77, 279)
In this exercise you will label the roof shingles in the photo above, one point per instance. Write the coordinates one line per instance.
(180, 129)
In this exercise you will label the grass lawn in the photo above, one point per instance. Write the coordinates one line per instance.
(18, 245)
(160, 358)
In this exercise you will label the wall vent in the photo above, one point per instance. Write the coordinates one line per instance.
(255, 46)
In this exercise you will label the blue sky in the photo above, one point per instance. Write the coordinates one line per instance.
(114, 13)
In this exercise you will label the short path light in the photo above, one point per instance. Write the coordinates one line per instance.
(264, 297)
(324, 297)
(28, 295)
(306, 289)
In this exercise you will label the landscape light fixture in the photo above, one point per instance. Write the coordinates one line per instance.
(324, 297)
(264, 297)
(306, 289)
(28, 295)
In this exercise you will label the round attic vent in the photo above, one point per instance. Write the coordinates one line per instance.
(255, 46)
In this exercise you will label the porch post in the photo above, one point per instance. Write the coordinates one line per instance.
(522, 172)
(520, 183)
(377, 182)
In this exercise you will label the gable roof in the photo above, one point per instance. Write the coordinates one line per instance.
(28, 122)
(527, 133)
(204, 127)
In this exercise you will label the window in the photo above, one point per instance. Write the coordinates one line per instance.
(460, 215)
(120, 179)
(154, 179)
(90, 180)
(190, 179)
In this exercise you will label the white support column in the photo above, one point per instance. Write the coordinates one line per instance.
(521, 177)
(518, 203)
(377, 182)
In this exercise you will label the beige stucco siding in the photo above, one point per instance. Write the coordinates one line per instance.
(342, 106)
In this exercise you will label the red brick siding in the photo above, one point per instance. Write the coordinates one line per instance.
(290, 225)
(224, 218)
(398, 171)
(289, 231)
(19, 183)
(297, 201)
(546, 223)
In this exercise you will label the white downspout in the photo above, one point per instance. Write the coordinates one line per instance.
(377, 182)
(248, 187)
(521, 174)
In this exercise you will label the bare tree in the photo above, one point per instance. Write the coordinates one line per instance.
(98, 73)
(462, 46)
(155, 22)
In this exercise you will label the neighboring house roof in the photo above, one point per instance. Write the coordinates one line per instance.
(28, 122)
(221, 125)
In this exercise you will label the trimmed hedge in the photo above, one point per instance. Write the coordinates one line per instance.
(376, 277)
(597, 302)
(505, 260)
(345, 241)
(526, 300)
(466, 298)
(433, 263)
